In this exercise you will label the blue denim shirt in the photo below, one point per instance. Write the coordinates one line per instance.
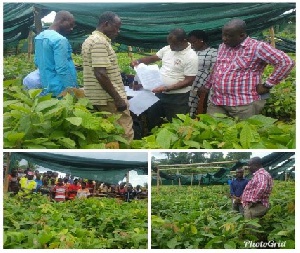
(53, 57)
(237, 187)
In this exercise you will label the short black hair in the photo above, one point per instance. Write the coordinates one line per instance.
(199, 34)
(107, 16)
(178, 33)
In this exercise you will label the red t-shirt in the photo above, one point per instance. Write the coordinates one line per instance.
(73, 190)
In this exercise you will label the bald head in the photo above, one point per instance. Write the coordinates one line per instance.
(236, 24)
(177, 39)
(63, 22)
(255, 164)
(234, 32)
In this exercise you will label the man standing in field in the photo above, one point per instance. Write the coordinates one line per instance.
(101, 74)
(236, 78)
(53, 55)
(237, 187)
(178, 72)
(255, 198)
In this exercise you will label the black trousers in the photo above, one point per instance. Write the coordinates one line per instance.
(167, 107)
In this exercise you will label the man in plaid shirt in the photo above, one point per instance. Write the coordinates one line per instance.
(255, 198)
(236, 79)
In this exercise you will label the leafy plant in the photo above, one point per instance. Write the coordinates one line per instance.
(32, 222)
(207, 132)
(32, 121)
(201, 217)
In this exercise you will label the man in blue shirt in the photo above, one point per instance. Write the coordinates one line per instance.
(237, 187)
(53, 55)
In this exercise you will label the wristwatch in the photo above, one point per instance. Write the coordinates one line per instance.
(267, 86)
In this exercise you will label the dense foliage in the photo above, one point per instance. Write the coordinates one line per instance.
(35, 223)
(198, 217)
(209, 132)
(32, 121)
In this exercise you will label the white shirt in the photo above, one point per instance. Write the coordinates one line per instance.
(176, 65)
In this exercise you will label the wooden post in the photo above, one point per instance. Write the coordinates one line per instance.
(5, 184)
(130, 53)
(179, 181)
(127, 178)
(192, 179)
(30, 44)
(37, 20)
(157, 178)
(272, 36)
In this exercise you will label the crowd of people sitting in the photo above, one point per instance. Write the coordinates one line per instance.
(68, 188)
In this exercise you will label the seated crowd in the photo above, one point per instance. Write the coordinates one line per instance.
(67, 188)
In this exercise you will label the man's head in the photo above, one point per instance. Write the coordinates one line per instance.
(234, 32)
(239, 173)
(254, 164)
(60, 182)
(198, 39)
(109, 24)
(64, 22)
(30, 175)
(177, 39)
(83, 185)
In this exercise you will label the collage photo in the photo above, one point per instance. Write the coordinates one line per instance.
(149, 126)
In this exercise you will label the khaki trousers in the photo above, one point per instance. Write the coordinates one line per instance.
(241, 111)
(256, 210)
(125, 120)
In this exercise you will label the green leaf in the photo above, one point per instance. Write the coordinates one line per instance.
(192, 144)
(172, 243)
(75, 120)
(79, 134)
(46, 105)
(246, 136)
(13, 137)
(67, 143)
(33, 93)
(165, 138)
(194, 230)
(229, 245)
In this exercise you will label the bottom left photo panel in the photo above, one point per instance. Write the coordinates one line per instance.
(75, 200)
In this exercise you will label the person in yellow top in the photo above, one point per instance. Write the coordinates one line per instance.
(28, 185)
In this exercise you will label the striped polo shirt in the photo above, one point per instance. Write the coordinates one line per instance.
(98, 52)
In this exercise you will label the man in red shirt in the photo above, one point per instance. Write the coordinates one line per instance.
(236, 79)
(73, 188)
(255, 198)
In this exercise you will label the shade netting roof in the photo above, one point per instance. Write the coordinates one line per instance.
(275, 163)
(106, 170)
(146, 25)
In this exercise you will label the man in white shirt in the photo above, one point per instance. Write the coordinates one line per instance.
(178, 71)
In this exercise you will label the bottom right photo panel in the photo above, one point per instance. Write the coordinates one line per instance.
(223, 200)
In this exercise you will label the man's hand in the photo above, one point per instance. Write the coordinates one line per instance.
(261, 89)
(201, 90)
(121, 105)
(134, 63)
(160, 89)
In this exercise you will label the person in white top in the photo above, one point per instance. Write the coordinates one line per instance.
(178, 71)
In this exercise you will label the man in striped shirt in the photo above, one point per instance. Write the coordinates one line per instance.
(255, 198)
(101, 73)
(236, 79)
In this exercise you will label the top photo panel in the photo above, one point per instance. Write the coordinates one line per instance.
(149, 75)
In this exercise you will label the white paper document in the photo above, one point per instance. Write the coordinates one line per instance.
(149, 76)
(142, 101)
(131, 92)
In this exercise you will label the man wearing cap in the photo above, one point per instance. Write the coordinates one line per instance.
(255, 198)
(237, 187)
